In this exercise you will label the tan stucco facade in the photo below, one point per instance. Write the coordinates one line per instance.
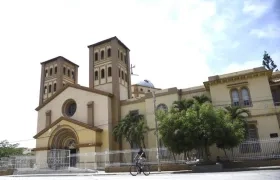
(110, 96)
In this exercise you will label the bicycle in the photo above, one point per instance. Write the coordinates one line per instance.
(139, 167)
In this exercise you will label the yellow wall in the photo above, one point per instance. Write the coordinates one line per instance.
(82, 98)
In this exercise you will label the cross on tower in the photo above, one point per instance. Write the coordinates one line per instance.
(131, 70)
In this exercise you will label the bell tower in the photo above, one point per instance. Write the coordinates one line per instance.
(109, 70)
(55, 73)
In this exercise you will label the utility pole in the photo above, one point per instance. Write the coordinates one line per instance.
(157, 140)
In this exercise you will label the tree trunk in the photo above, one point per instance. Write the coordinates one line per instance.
(225, 152)
(143, 142)
(205, 154)
(174, 156)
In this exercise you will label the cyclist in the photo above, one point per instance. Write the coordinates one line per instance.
(141, 157)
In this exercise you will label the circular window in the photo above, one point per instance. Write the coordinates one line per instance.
(162, 107)
(69, 108)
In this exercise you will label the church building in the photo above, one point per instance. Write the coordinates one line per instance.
(81, 119)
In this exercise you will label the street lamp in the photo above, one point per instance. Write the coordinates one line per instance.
(157, 140)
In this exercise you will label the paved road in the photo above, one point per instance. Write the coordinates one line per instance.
(245, 175)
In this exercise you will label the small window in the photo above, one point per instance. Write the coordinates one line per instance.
(102, 73)
(50, 88)
(63, 84)
(141, 89)
(274, 135)
(134, 112)
(50, 71)
(109, 52)
(102, 54)
(96, 56)
(125, 59)
(55, 70)
(109, 71)
(54, 87)
(46, 73)
(64, 70)
(96, 75)
(121, 56)
(122, 75)
(149, 90)
(245, 97)
(45, 91)
(235, 97)
(68, 72)
(125, 77)
(73, 75)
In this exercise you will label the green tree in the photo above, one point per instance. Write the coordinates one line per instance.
(184, 104)
(268, 63)
(7, 149)
(239, 114)
(132, 128)
(231, 135)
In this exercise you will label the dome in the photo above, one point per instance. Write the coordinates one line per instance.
(146, 83)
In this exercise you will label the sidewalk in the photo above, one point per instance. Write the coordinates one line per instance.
(103, 173)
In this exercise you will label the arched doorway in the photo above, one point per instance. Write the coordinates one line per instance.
(63, 148)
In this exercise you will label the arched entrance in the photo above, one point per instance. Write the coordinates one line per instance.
(63, 143)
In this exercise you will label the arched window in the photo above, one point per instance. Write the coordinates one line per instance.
(109, 52)
(64, 70)
(109, 71)
(162, 107)
(68, 72)
(46, 73)
(50, 88)
(235, 97)
(121, 56)
(55, 70)
(125, 77)
(252, 145)
(102, 54)
(102, 73)
(54, 87)
(50, 71)
(96, 56)
(46, 90)
(96, 75)
(252, 132)
(122, 75)
(245, 97)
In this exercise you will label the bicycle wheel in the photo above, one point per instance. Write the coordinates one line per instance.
(134, 170)
(146, 170)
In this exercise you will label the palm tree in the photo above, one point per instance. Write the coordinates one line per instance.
(202, 99)
(131, 128)
(239, 114)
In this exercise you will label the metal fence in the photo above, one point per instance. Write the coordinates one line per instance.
(59, 160)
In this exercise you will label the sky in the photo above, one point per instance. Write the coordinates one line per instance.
(173, 43)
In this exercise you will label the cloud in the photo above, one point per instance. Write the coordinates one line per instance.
(256, 8)
(269, 31)
(233, 67)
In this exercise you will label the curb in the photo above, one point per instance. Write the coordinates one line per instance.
(152, 173)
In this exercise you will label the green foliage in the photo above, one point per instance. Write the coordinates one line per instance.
(196, 124)
(131, 128)
(268, 63)
(7, 149)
